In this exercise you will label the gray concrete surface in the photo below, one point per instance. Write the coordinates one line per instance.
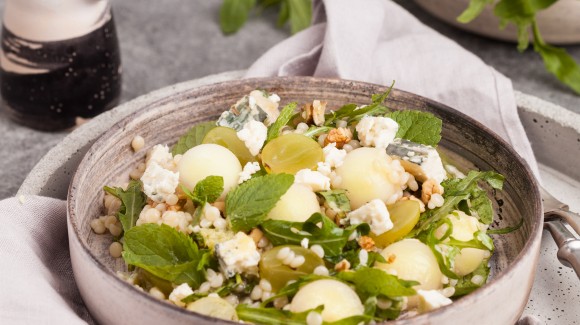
(168, 41)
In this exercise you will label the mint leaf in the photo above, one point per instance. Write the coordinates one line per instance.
(283, 15)
(331, 237)
(417, 126)
(273, 316)
(283, 119)
(300, 12)
(207, 190)
(248, 204)
(336, 199)
(371, 282)
(234, 13)
(165, 253)
(132, 202)
(192, 138)
(473, 10)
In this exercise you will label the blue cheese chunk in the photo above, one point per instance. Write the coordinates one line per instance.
(420, 160)
(257, 106)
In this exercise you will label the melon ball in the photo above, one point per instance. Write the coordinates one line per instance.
(369, 173)
(410, 259)
(464, 228)
(214, 307)
(206, 160)
(339, 300)
(297, 204)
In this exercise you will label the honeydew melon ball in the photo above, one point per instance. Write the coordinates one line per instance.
(297, 204)
(339, 300)
(214, 307)
(206, 160)
(464, 228)
(367, 174)
(412, 260)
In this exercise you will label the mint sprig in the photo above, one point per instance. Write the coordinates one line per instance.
(207, 190)
(192, 138)
(420, 127)
(132, 202)
(248, 204)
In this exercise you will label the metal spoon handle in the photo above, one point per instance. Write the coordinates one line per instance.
(573, 219)
(568, 245)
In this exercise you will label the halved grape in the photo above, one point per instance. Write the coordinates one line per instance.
(278, 274)
(228, 138)
(290, 153)
(404, 215)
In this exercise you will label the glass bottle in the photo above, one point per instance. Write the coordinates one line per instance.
(60, 60)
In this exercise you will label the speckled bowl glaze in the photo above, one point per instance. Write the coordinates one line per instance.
(468, 143)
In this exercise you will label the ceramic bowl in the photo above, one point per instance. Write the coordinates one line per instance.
(558, 24)
(470, 144)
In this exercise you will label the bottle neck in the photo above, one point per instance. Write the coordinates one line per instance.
(54, 20)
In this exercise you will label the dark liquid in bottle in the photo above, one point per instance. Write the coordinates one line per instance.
(79, 77)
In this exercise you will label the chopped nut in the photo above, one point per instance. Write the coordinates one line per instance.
(428, 188)
(342, 265)
(340, 136)
(256, 234)
(414, 198)
(367, 243)
(314, 112)
(391, 258)
(174, 208)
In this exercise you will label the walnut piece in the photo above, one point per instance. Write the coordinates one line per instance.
(340, 136)
(314, 112)
(343, 265)
(429, 188)
(367, 243)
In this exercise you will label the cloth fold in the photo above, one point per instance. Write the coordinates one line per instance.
(376, 42)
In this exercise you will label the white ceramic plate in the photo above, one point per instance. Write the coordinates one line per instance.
(555, 136)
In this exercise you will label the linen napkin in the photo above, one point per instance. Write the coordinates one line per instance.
(375, 42)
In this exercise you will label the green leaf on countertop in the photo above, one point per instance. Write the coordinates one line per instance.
(132, 202)
(192, 138)
(234, 13)
(300, 13)
(165, 253)
(373, 282)
(417, 126)
(285, 115)
(283, 15)
(330, 236)
(473, 10)
(207, 190)
(273, 316)
(248, 204)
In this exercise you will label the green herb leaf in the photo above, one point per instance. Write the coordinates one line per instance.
(371, 282)
(234, 13)
(300, 14)
(272, 316)
(506, 230)
(165, 253)
(465, 286)
(207, 190)
(283, 15)
(283, 119)
(132, 202)
(331, 237)
(249, 203)
(336, 200)
(473, 10)
(192, 138)
(417, 126)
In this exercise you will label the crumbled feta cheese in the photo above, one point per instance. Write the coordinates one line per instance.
(179, 293)
(159, 182)
(325, 170)
(253, 135)
(333, 156)
(376, 131)
(374, 213)
(274, 98)
(431, 299)
(160, 154)
(316, 180)
(238, 255)
(212, 237)
(249, 169)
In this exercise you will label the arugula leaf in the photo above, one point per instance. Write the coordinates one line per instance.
(165, 253)
(331, 237)
(234, 13)
(300, 12)
(353, 113)
(249, 203)
(285, 115)
(417, 126)
(336, 200)
(506, 230)
(207, 190)
(132, 202)
(272, 315)
(473, 10)
(316, 130)
(371, 282)
(192, 138)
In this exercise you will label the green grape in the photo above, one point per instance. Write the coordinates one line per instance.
(278, 274)
(404, 215)
(290, 153)
(228, 138)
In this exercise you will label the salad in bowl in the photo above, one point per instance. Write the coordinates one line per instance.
(304, 215)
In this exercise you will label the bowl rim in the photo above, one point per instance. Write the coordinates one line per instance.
(535, 231)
